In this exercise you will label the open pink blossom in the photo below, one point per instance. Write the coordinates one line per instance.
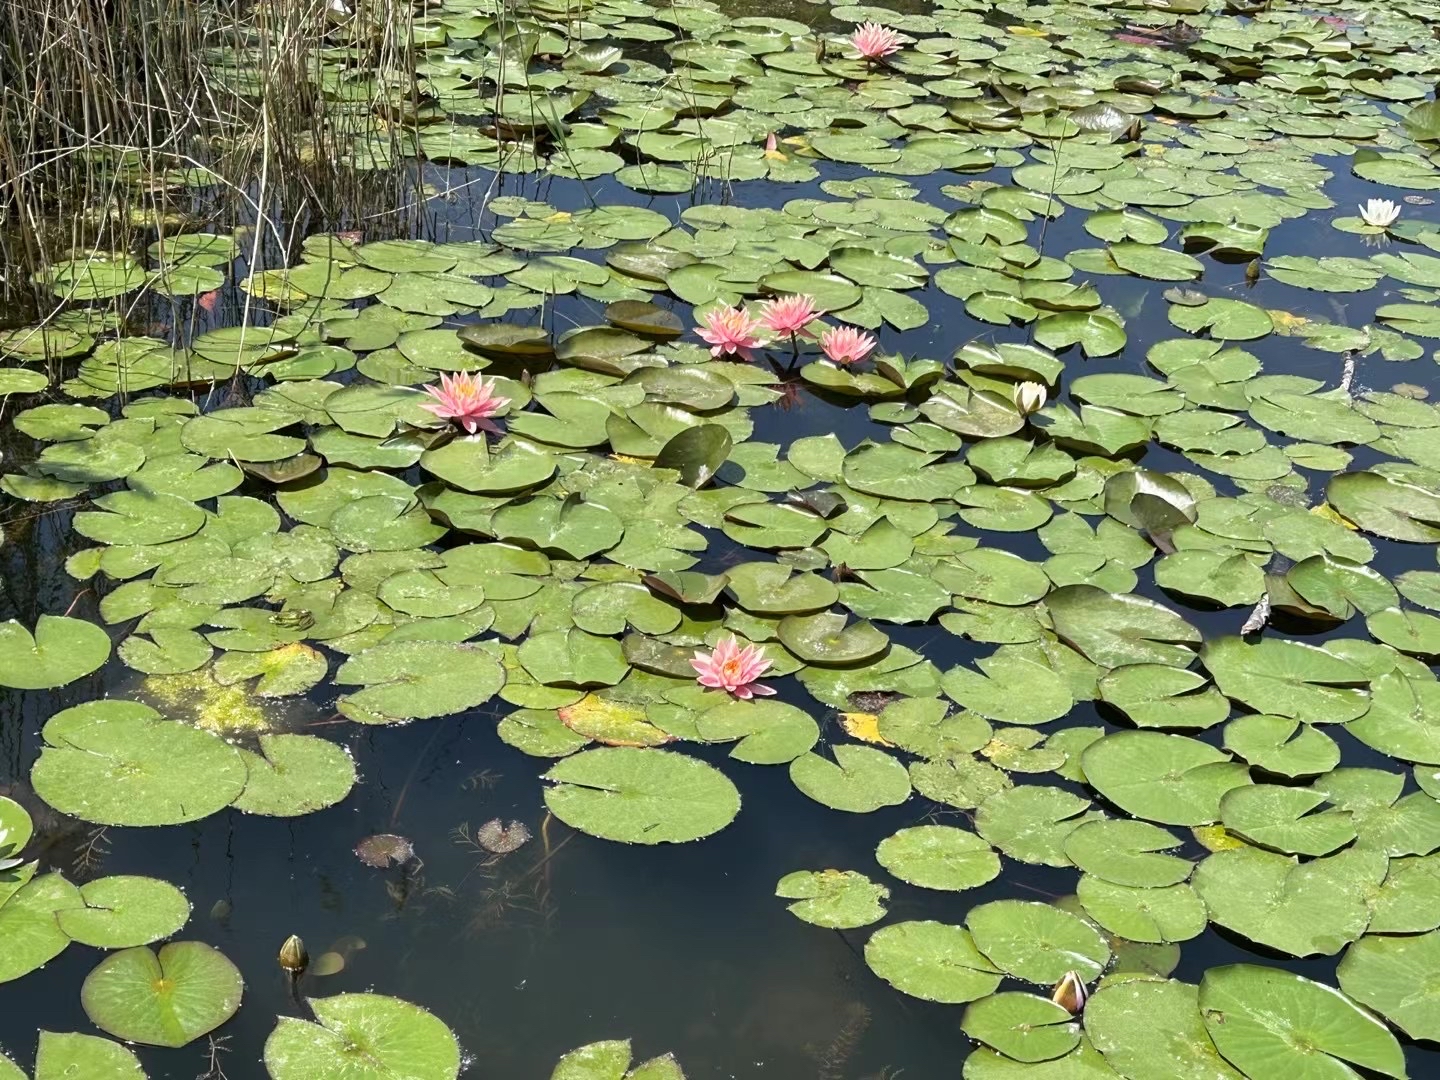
(730, 331)
(469, 401)
(733, 669)
(790, 314)
(872, 41)
(846, 345)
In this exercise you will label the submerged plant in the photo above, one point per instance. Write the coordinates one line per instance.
(468, 400)
(734, 669)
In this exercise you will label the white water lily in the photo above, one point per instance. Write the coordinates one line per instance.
(1029, 397)
(1379, 213)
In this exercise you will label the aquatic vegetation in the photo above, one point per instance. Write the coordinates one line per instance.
(845, 345)
(1029, 397)
(1379, 213)
(873, 41)
(197, 697)
(731, 332)
(1120, 543)
(467, 400)
(789, 315)
(734, 668)
(1069, 993)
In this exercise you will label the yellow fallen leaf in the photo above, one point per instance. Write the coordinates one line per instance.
(863, 726)
(1287, 322)
(1215, 838)
(559, 217)
(1028, 31)
(1329, 513)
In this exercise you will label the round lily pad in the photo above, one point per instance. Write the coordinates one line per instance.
(124, 911)
(933, 961)
(294, 775)
(1037, 942)
(859, 780)
(939, 857)
(1271, 1022)
(62, 650)
(168, 999)
(1394, 976)
(641, 796)
(118, 762)
(410, 680)
(1170, 779)
(834, 899)
(362, 1037)
(1025, 1027)
(68, 1054)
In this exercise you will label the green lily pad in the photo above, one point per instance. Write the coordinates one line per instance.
(294, 775)
(123, 911)
(62, 650)
(28, 919)
(1170, 779)
(1260, 1016)
(118, 762)
(939, 857)
(611, 1061)
(1037, 942)
(1148, 1028)
(1025, 1027)
(834, 899)
(861, 779)
(1392, 975)
(412, 680)
(166, 1000)
(641, 796)
(932, 961)
(62, 1055)
(362, 1037)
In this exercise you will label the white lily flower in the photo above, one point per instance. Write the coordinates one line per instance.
(1379, 213)
(1029, 397)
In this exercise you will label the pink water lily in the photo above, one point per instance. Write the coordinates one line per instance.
(467, 400)
(733, 669)
(789, 314)
(873, 41)
(846, 345)
(730, 332)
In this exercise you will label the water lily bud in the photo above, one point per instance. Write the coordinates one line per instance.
(1029, 397)
(293, 957)
(1069, 993)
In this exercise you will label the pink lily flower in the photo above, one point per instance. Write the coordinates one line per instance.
(789, 314)
(733, 669)
(469, 401)
(873, 41)
(730, 331)
(846, 345)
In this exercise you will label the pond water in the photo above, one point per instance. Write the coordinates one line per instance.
(1208, 470)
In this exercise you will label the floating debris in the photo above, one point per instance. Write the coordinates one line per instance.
(384, 849)
(501, 839)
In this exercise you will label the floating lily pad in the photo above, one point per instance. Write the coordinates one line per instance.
(362, 1037)
(123, 911)
(117, 762)
(62, 650)
(1258, 1016)
(834, 899)
(168, 999)
(933, 961)
(939, 857)
(639, 796)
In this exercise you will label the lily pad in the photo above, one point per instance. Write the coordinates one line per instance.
(169, 999)
(641, 796)
(362, 1037)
